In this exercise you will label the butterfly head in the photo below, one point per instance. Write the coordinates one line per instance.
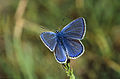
(59, 35)
(57, 31)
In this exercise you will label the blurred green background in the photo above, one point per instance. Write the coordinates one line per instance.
(24, 56)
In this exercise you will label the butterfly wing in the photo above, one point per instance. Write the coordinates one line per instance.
(74, 48)
(60, 53)
(49, 39)
(76, 29)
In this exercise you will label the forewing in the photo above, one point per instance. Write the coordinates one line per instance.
(74, 48)
(76, 29)
(49, 39)
(60, 53)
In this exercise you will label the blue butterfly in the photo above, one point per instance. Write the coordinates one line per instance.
(66, 43)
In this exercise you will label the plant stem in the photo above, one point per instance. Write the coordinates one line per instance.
(69, 71)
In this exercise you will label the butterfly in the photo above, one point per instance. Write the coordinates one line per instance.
(66, 43)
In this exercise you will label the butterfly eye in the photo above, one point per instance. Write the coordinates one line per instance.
(57, 31)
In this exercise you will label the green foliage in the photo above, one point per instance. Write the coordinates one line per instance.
(24, 56)
(69, 70)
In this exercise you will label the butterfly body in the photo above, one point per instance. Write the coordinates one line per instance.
(59, 36)
(66, 43)
(60, 39)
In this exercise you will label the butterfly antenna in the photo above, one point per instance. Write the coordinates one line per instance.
(63, 21)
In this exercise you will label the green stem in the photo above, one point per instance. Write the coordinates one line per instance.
(69, 71)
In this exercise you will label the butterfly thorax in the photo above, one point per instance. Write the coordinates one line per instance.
(59, 35)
